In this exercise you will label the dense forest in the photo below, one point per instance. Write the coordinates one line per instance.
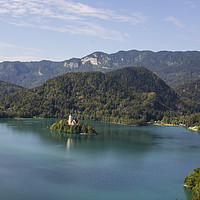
(193, 182)
(132, 95)
(8, 88)
(189, 90)
(173, 67)
(190, 93)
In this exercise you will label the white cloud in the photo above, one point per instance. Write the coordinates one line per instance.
(20, 58)
(3, 11)
(175, 21)
(21, 23)
(17, 47)
(26, 53)
(89, 29)
(65, 13)
(193, 3)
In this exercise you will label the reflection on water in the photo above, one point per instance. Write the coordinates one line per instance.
(121, 162)
(110, 135)
(69, 143)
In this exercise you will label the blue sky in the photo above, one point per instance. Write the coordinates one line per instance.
(61, 29)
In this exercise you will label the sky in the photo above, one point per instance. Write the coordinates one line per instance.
(57, 30)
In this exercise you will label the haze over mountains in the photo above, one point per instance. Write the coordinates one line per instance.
(172, 67)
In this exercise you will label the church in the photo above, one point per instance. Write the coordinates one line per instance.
(72, 121)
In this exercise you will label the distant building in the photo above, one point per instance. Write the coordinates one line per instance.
(71, 121)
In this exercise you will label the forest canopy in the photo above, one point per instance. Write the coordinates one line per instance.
(193, 182)
(132, 95)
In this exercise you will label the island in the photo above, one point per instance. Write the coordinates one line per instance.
(72, 126)
(193, 182)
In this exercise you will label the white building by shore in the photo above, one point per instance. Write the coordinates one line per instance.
(71, 121)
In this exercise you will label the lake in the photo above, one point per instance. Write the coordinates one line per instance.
(121, 162)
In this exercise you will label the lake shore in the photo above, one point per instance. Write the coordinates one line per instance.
(163, 124)
(194, 128)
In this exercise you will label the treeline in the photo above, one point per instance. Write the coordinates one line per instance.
(132, 95)
(178, 118)
(7, 89)
(80, 128)
(193, 182)
(190, 92)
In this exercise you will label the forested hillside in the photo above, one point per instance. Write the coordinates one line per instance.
(173, 67)
(189, 90)
(129, 95)
(8, 88)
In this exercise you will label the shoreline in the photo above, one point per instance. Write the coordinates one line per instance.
(193, 128)
(163, 124)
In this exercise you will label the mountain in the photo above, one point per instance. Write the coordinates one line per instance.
(8, 88)
(189, 90)
(173, 67)
(132, 95)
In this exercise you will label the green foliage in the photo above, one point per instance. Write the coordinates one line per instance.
(7, 89)
(189, 90)
(132, 95)
(177, 118)
(193, 182)
(80, 128)
(196, 192)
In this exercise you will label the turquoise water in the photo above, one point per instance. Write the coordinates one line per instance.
(122, 162)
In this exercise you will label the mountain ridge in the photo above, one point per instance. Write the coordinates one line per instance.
(173, 67)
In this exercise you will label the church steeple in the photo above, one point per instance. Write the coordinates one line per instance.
(70, 119)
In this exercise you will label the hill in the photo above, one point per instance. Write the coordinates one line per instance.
(189, 90)
(173, 67)
(8, 88)
(132, 95)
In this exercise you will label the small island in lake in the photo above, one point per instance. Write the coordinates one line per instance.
(74, 127)
(193, 182)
